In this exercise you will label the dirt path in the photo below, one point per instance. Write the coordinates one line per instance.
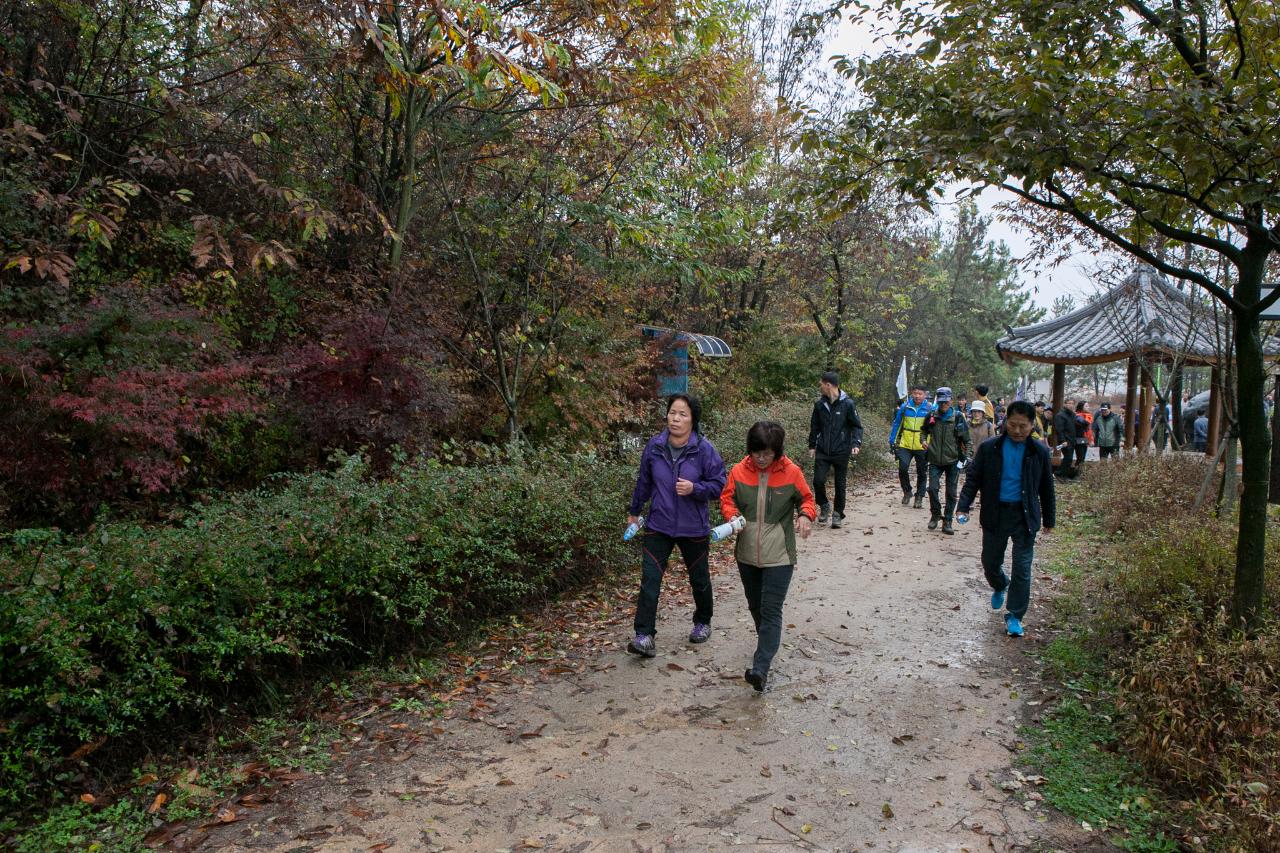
(889, 725)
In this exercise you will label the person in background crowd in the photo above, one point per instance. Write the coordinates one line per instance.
(980, 429)
(980, 393)
(1064, 438)
(946, 441)
(679, 472)
(1042, 426)
(999, 413)
(962, 403)
(769, 491)
(1108, 432)
(1012, 476)
(1200, 433)
(1084, 435)
(835, 434)
(906, 444)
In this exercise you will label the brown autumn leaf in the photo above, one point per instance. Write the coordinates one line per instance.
(677, 667)
(887, 811)
(87, 798)
(157, 803)
(87, 748)
(505, 783)
(766, 772)
(534, 732)
(227, 815)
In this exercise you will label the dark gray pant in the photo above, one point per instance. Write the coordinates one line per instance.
(823, 464)
(657, 551)
(904, 470)
(766, 590)
(952, 475)
(1010, 524)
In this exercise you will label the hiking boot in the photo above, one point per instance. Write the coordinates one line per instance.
(906, 498)
(837, 519)
(947, 528)
(700, 633)
(1013, 625)
(642, 645)
(824, 514)
(933, 521)
(919, 502)
(755, 679)
(997, 599)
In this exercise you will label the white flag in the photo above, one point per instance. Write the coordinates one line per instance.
(902, 379)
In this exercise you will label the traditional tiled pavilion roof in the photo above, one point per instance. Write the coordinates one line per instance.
(1143, 314)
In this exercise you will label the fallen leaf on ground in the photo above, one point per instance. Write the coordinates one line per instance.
(887, 811)
(157, 803)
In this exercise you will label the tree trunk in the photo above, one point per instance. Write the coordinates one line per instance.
(1255, 440)
(408, 176)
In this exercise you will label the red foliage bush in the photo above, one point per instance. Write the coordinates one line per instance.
(109, 406)
(375, 387)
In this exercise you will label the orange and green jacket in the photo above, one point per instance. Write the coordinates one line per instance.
(769, 501)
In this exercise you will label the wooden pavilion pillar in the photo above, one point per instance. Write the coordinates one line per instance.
(1215, 410)
(1131, 403)
(1059, 386)
(1144, 413)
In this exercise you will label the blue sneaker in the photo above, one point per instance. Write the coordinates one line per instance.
(1013, 625)
(997, 599)
(700, 633)
(642, 645)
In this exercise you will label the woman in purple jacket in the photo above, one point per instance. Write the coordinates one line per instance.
(679, 472)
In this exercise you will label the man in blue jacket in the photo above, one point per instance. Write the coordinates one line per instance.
(1013, 475)
(835, 434)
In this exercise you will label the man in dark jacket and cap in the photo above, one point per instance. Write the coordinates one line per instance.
(835, 434)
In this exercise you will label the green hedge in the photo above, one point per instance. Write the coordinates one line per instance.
(127, 626)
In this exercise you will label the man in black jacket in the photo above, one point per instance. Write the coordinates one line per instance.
(1012, 474)
(1064, 437)
(835, 433)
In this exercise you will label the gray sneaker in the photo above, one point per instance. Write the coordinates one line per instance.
(642, 645)
(824, 514)
(700, 633)
(837, 519)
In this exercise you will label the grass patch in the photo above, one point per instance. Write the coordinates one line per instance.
(1075, 749)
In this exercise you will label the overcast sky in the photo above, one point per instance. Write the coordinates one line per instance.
(1070, 277)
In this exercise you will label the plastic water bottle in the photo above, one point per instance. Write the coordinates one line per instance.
(962, 518)
(632, 529)
(724, 531)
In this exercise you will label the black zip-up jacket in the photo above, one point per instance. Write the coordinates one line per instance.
(1064, 427)
(1038, 501)
(835, 428)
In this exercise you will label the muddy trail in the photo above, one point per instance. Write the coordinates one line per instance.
(890, 723)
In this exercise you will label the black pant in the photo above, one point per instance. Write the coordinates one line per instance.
(766, 590)
(952, 475)
(904, 469)
(1082, 450)
(838, 464)
(1066, 469)
(657, 551)
(1107, 452)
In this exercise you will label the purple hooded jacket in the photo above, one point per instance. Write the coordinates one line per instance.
(670, 513)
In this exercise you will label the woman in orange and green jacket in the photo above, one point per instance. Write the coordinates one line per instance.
(770, 492)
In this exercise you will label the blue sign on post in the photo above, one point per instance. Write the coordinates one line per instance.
(673, 374)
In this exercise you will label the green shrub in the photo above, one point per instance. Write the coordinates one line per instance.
(126, 626)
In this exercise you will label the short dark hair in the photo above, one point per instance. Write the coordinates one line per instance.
(1040, 404)
(1080, 406)
(1021, 407)
(695, 407)
(919, 388)
(831, 377)
(766, 435)
(982, 389)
